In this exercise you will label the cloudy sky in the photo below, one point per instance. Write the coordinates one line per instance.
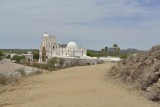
(93, 24)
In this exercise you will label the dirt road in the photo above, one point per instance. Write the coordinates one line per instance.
(84, 86)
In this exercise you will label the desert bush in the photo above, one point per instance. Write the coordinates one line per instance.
(18, 58)
(1, 55)
(9, 77)
(51, 64)
(61, 63)
(123, 56)
(38, 65)
(3, 79)
(39, 71)
(22, 72)
(35, 71)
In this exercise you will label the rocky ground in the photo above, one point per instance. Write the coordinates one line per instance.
(142, 72)
(11, 72)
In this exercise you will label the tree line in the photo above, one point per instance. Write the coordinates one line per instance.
(104, 52)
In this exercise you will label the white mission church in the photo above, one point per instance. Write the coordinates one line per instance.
(50, 48)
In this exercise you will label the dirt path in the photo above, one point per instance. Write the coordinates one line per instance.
(84, 86)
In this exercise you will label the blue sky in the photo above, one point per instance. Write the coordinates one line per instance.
(93, 24)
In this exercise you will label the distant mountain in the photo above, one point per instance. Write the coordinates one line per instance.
(110, 49)
(129, 50)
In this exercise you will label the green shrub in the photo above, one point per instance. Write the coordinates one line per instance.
(1, 55)
(123, 56)
(52, 63)
(36, 55)
(18, 58)
(90, 53)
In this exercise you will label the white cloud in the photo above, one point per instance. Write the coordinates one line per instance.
(104, 21)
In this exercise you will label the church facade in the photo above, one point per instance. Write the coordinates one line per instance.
(50, 48)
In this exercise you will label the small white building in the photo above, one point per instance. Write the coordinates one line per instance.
(110, 59)
(50, 48)
(28, 56)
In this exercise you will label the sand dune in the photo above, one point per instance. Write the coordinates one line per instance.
(84, 86)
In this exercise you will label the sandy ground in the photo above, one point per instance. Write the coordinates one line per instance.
(84, 86)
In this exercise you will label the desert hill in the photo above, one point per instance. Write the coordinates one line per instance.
(141, 71)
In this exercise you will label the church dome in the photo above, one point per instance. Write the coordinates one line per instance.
(45, 35)
(72, 45)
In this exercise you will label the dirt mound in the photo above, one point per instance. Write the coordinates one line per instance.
(141, 71)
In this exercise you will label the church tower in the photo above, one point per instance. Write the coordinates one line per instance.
(47, 45)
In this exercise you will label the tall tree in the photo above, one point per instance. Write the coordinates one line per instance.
(36, 55)
(115, 47)
(106, 50)
(1, 55)
(118, 50)
(103, 52)
(90, 53)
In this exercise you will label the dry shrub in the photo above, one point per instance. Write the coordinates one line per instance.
(9, 77)
(39, 71)
(22, 72)
(3, 79)
(35, 71)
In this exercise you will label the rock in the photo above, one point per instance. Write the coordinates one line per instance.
(149, 61)
(137, 65)
(155, 48)
(149, 89)
(141, 71)
(157, 73)
(157, 86)
(158, 57)
(154, 97)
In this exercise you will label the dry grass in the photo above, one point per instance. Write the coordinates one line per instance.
(7, 78)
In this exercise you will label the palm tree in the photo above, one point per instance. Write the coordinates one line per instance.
(106, 50)
(101, 52)
(118, 50)
(115, 47)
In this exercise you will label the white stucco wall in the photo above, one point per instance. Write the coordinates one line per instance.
(71, 50)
